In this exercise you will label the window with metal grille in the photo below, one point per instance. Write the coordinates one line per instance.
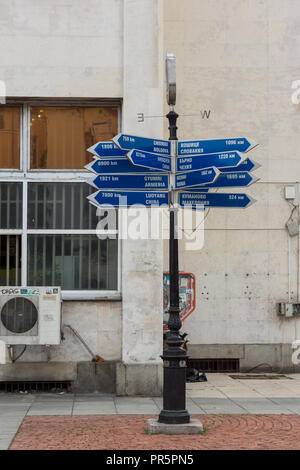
(44, 212)
(10, 260)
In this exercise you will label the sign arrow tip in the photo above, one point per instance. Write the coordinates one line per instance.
(252, 144)
(254, 179)
(88, 166)
(92, 149)
(251, 201)
(115, 139)
(256, 165)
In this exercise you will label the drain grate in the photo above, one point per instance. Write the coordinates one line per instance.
(214, 365)
(260, 376)
(40, 386)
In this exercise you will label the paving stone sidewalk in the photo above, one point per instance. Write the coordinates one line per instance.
(128, 432)
(220, 395)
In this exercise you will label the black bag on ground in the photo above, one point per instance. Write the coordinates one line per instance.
(193, 375)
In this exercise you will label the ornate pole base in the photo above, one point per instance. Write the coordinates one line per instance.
(174, 411)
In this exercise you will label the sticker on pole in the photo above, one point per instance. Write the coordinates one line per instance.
(187, 296)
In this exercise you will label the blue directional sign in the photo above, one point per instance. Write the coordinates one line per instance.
(215, 200)
(133, 182)
(242, 178)
(128, 198)
(195, 178)
(197, 147)
(198, 189)
(117, 165)
(129, 142)
(106, 149)
(246, 165)
(149, 160)
(219, 160)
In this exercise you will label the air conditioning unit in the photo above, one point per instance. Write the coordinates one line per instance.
(30, 315)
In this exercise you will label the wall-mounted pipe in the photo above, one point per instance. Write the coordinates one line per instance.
(95, 357)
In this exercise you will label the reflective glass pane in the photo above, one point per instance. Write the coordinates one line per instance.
(60, 206)
(10, 205)
(59, 136)
(10, 137)
(74, 262)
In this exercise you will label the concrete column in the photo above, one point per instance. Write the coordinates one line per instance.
(142, 268)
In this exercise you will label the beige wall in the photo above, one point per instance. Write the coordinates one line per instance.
(54, 48)
(239, 58)
(235, 57)
(97, 49)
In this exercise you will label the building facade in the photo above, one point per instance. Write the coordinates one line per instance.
(79, 72)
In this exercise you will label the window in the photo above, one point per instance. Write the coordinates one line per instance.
(47, 227)
(59, 136)
(10, 260)
(10, 136)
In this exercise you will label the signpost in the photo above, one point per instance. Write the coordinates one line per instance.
(214, 200)
(122, 181)
(198, 147)
(246, 165)
(147, 182)
(228, 180)
(106, 149)
(149, 160)
(128, 198)
(196, 178)
(129, 142)
(219, 160)
(117, 165)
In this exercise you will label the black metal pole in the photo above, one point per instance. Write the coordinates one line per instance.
(174, 358)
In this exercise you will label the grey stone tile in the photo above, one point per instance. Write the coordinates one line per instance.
(5, 443)
(14, 410)
(9, 426)
(257, 403)
(219, 405)
(144, 406)
(93, 396)
(203, 401)
(102, 410)
(12, 398)
(158, 401)
(137, 400)
(94, 399)
(47, 408)
(291, 409)
(96, 405)
(13, 405)
(50, 397)
(224, 410)
(50, 412)
(295, 402)
(261, 400)
(138, 403)
(49, 404)
(266, 411)
(191, 406)
(8, 435)
(137, 411)
(12, 414)
(295, 411)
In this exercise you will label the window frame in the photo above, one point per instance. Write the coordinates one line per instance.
(26, 175)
